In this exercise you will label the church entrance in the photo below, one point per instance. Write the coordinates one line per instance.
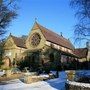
(34, 59)
(7, 61)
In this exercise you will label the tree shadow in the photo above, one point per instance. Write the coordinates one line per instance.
(59, 83)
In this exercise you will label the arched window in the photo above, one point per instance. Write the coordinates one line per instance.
(51, 57)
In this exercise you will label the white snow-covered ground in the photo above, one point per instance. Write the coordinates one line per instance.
(2, 72)
(53, 84)
(87, 85)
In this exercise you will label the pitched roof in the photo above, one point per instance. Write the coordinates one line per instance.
(81, 52)
(18, 41)
(55, 38)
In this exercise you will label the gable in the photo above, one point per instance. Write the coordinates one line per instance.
(35, 26)
(37, 31)
(9, 44)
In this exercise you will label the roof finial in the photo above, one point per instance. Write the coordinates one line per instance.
(68, 39)
(10, 34)
(61, 33)
(35, 19)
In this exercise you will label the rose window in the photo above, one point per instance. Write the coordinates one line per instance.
(35, 39)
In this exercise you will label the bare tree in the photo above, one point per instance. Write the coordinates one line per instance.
(7, 14)
(82, 28)
(1, 51)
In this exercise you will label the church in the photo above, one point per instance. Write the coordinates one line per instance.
(40, 46)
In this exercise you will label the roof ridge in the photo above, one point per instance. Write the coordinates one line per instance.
(16, 37)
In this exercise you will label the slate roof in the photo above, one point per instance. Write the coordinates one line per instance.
(49, 35)
(55, 38)
(19, 41)
(81, 52)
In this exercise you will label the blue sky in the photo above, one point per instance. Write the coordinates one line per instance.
(53, 14)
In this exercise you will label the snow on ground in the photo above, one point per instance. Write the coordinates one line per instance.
(2, 72)
(79, 84)
(53, 84)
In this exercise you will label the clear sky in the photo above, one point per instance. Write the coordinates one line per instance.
(56, 15)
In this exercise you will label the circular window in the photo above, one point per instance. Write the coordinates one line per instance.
(35, 39)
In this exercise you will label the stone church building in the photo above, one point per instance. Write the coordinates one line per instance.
(41, 46)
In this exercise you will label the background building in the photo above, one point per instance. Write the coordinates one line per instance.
(83, 53)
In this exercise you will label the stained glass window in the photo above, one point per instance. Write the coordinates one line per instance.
(35, 39)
